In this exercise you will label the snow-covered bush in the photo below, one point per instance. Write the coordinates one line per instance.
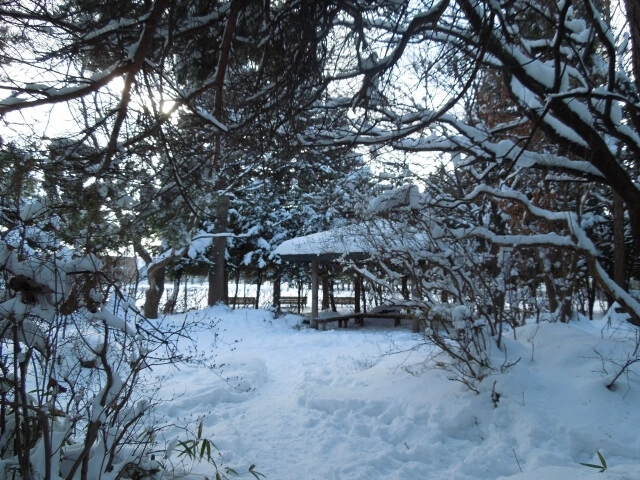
(465, 343)
(75, 355)
(466, 289)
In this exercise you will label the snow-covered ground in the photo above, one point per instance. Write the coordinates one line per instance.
(303, 404)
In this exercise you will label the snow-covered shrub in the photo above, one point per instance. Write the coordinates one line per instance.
(75, 393)
(464, 341)
(464, 288)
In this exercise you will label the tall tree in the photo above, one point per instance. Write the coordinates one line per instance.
(564, 74)
(186, 92)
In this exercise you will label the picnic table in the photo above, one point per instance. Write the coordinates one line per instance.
(384, 312)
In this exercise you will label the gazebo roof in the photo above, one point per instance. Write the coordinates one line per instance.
(341, 243)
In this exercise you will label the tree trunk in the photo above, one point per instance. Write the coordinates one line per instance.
(173, 300)
(235, 294)
(300, 285)
(217, 283)
(633, 18)
(155, 277)
(186, 294)
(591, 295)
(405, 288)
(332, 300)
(363, 293)
(619, 261)
(276, 294)
(325, 291)
(218, 288)
(258, 287)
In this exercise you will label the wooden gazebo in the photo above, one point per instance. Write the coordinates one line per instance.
(344, 243)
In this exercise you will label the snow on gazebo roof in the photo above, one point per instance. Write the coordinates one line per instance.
(352, 242)
(345, 242)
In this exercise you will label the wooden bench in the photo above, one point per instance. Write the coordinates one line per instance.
(293, 301)
(243, 301)
(342, 320)
(344, 300)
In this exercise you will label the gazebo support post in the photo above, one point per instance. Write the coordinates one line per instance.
(356, 288)
(314, 294)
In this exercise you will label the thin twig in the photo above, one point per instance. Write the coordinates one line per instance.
(518, 461)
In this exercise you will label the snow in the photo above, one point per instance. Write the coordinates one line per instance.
(305, 404)
(114, 321)
(13, 312)
(199, 244)
(32, 210)
(339, 241)
(87, 263)
(406, 195)
(212, 119)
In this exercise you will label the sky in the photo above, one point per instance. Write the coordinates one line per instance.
(368, 403)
